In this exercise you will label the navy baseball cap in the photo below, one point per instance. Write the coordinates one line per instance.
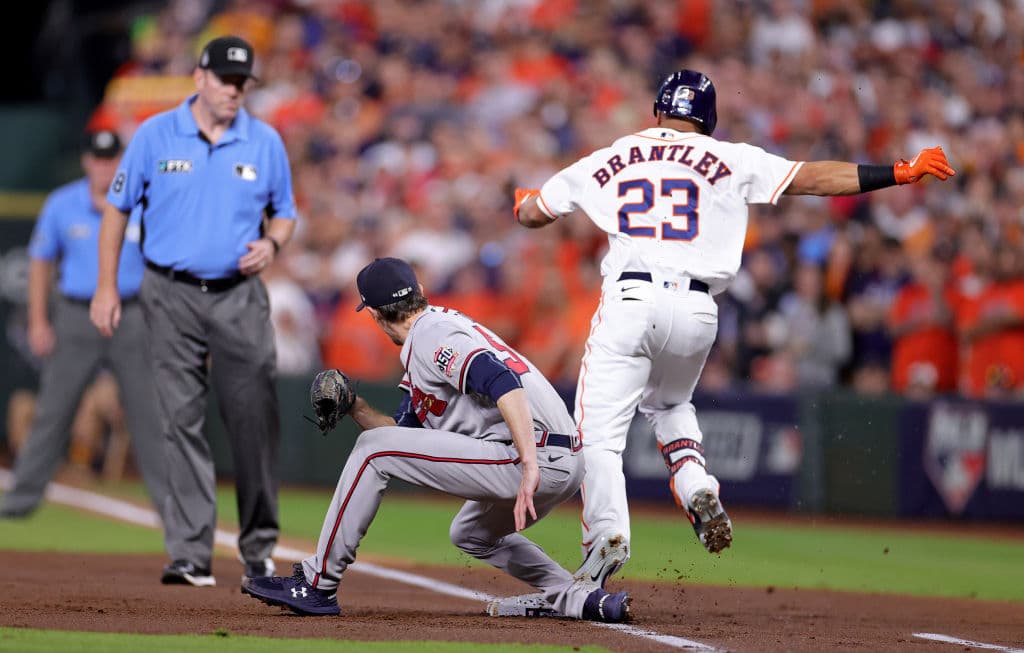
(385, 281)
(103, 143)
(228, 55)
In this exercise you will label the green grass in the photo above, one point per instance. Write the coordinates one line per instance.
(49, 527)
(45, 641)
(794, 555)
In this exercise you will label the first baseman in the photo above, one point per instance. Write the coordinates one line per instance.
(673, 201)
(478, 421)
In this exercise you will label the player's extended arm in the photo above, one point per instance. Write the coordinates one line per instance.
(527, 211)
(843, 178)
(516, 411)
(105, 309)
(368, 417)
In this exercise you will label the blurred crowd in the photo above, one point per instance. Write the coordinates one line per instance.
(410, 122)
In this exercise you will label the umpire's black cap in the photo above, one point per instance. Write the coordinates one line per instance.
(228, 55)
(103, 143)
(385, 281)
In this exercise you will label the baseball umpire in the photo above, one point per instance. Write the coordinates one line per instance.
(673, 201)
(64, 244)
(479, 421)
(215, 188)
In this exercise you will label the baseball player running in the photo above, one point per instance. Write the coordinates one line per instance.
(479, 421)
(673, 201)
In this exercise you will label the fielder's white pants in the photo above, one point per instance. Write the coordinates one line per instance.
(647, 347)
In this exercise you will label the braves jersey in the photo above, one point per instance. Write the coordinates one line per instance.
(437, 354)
(670, 200)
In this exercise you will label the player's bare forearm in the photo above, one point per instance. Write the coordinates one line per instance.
(368, 417)
(530, 215)
(825, 178)
(111, 238)
(516, 413)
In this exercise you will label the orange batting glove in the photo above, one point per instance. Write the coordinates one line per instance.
(523, 194)
(930, 161)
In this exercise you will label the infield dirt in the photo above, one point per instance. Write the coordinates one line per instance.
(122, 594)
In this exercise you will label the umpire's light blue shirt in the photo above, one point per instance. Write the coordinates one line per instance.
(202, 202)
(68, 229)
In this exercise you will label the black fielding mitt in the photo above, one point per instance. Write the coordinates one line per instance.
(332, 395)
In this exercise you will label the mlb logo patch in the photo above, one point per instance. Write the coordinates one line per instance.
(245, 171)
(237, 54)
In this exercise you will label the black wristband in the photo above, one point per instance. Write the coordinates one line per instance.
(875, 177)
(277, 245)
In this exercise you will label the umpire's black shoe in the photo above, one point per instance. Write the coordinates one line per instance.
(183, 572)
(610, 608)
(293, 593)
(259, 568)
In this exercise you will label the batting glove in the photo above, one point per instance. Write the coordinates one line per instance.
(930, 161)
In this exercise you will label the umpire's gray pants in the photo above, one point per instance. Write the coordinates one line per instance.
(486, 473)
(233, 329)
(79, 352)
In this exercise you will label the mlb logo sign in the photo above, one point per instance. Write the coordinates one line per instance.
(954, 453)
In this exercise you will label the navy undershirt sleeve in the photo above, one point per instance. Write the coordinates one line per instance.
(405, 416)
(489, 376)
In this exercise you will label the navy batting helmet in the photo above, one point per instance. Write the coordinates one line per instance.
(689, 95)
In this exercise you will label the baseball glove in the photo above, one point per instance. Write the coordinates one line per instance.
(332, 395)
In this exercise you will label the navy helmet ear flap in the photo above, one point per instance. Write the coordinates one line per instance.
(689, 95)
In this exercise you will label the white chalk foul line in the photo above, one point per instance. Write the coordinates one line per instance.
(936, 637)
(127, 512)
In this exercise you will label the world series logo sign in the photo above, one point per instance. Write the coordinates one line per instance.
(955, 452)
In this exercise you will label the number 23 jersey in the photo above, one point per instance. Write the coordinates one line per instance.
(671, 200)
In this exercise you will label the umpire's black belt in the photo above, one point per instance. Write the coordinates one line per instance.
(206, 285)
(695, 284)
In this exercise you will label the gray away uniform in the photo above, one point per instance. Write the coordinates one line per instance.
(465, 449)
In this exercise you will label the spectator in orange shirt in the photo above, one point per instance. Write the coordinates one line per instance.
(991, 328)
(920, 321)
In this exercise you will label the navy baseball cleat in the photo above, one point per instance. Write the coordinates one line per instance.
(293, 593)
(610, 608)
(710, 522)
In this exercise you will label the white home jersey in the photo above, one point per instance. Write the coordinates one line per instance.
(671, 201)
(437, 354)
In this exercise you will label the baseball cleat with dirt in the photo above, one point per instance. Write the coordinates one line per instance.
(710, 521)
(523, 605)
(605, 557)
